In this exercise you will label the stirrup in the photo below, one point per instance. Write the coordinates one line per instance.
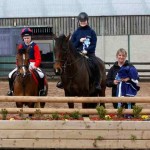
(10, 93)
(60, 85)
(42, 93)
(98, 87)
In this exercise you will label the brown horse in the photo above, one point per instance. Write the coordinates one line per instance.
(75, 72)
(26, 82)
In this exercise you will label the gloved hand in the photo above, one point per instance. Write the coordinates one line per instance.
(32, 66)
(84, 52)
(82, 40)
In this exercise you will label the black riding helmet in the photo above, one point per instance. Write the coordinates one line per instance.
(26, 32)
(83, 17)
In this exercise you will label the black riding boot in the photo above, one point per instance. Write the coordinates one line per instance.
(10, 92)
(42, 91)
(97, 79)
(60, 85)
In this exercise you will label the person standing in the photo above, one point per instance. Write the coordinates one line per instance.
(123, 78)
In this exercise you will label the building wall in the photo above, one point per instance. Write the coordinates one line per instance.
(114, 32)
(103, 25)
(137, 46)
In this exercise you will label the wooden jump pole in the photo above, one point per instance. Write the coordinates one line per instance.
(67, 110)
(49, 99)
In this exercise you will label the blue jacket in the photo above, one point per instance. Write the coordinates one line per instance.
(89, 44)
(129, 88)
(31, 52)
(112, 75)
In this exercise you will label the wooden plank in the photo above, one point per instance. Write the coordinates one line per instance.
(82, 144)
(76, 134)
(50, 99)
(65, 125)
(69, 111)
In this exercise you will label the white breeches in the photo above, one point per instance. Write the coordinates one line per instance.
(11, 73)
(39, 71)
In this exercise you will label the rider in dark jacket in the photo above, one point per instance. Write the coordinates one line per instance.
(84, 40)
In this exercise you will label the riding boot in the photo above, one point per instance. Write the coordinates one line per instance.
(97, 79)
(60, 85)
(10, 92)
(42, 91)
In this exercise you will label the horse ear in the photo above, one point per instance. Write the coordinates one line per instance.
(68, 37)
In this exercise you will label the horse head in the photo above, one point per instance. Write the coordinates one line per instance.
(22, 61)
(60, 52)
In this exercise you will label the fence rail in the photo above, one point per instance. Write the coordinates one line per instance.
(49, 99)
(73, 134)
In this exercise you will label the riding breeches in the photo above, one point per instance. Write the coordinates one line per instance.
(12, 72)
(39, 71)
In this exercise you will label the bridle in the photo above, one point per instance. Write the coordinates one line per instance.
(65, 59)
(23, 70)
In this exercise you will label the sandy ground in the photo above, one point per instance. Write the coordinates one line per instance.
(54, 91)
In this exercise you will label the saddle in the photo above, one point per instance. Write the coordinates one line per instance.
(35, 76)
(41, 82)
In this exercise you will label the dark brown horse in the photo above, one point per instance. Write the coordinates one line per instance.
(26, 83)
(75, 72)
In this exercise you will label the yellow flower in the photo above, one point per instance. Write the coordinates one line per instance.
(107, 117)
(145, 117)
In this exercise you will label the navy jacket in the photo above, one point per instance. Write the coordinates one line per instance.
(85, 32)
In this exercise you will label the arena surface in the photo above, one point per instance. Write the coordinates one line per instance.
(54, 91)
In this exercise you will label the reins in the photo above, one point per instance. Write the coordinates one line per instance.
(66, 64)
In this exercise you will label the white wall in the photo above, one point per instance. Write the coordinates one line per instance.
(107, 47)
(139, 47)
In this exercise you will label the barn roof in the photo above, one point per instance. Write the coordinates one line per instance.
(59, 8)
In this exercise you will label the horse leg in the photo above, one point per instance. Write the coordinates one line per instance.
(19, 105)
(31, 105)
(102, 94)
(42, 104)
(71, 105)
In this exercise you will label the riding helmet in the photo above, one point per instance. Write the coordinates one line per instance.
(26, 32)
(83, 17)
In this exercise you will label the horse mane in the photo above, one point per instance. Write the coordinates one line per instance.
(72, 49)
